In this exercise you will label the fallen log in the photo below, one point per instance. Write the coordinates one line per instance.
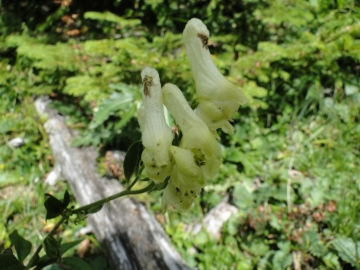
(214, 220)
(131, 236)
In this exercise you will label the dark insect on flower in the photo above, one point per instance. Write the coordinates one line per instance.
(147, 82)
(204, 40)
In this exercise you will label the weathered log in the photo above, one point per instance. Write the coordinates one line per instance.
(214, 220)
(131, 236)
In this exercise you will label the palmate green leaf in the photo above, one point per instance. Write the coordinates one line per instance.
(115, 103)
(132, 159)
(22, 246)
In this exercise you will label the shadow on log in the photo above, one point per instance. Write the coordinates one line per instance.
(133, 239)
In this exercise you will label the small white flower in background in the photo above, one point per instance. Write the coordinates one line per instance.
(218, 99)
(156, 134)
(196, 135)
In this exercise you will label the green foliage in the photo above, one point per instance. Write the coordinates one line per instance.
(55, 207)
(293, 162)
(22, 246)
(348, 250)
(9, 262)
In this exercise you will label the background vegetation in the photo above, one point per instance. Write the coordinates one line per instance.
(293, 165)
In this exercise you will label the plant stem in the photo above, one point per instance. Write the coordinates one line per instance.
(112, 197)
(36, 254)
(132, 184)
(125, 192)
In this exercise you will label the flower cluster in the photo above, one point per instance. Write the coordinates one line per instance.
(198, 156)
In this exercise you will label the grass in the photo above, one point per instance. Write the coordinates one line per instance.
(296, 184)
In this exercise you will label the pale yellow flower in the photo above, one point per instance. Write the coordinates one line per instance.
(186, 180)
(156, 134)
(218, 99)
(196, 135)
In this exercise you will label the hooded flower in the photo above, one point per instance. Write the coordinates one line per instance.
(218, 99)
(196, 135)
(186, 180)
(156, 134)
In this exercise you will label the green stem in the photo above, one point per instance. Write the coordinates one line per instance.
(36, 254)
(33, 259)
(132, 184)
(115, 196)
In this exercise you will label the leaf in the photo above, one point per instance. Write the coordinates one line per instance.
(313, 243)
(351, 89)
(9, 262)
(242, 198)
(161, 185)
(9, 178)
(264, 261)
(331, 261)
(65, 247)
(54, 207)
(126, 117)
(281, 260)
(258, 247)
(22, 246)
(51, 246)
(66, 199)
(76, 263)
(94, 209)
(111, 17)
(132, 159)
(34, 261)
(116, 102)
(347, 249)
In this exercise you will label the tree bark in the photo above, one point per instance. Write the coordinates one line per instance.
(132, 237)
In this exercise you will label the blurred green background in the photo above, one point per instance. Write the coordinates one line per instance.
(292, 167)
